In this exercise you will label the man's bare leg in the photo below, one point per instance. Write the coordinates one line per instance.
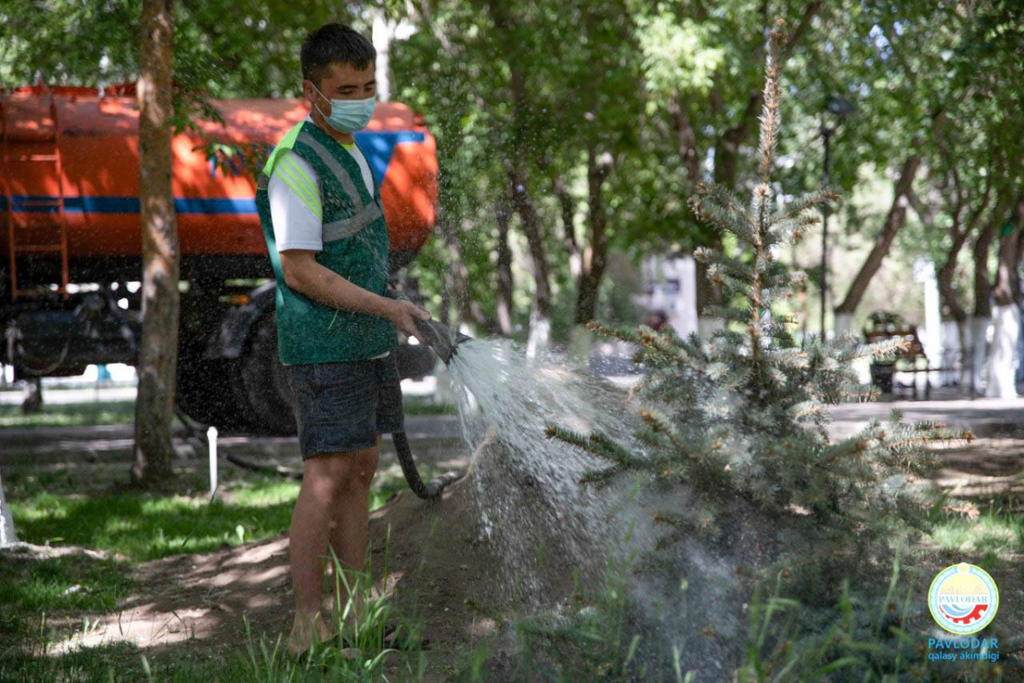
(351, 523)
(326, 479)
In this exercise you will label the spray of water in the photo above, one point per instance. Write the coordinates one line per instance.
(550, 531)
(532, 507)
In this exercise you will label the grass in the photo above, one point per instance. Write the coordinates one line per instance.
(54, 508)
(64, 508)
(32, 588)
(69, 414)
(996, 535)
(260, 659)
(424, 405)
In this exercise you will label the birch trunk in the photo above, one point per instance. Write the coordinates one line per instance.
(7, 535)
(1005, 334)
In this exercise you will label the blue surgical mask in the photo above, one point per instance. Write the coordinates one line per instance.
(348, 116)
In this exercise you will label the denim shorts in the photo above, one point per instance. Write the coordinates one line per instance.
(345, 406)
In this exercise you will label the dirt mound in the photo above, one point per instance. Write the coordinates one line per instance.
(452, 568)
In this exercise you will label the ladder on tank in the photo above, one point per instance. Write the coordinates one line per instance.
(26, 234)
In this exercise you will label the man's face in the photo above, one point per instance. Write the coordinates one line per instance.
(342, 82)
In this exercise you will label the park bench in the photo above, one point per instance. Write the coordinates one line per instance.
(886, 325)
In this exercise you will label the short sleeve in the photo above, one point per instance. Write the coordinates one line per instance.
(296, 209)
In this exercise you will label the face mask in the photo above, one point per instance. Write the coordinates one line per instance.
(348, 116)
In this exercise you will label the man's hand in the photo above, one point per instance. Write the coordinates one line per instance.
(403, 313)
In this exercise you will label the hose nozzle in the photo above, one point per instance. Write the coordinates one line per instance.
(441, 338)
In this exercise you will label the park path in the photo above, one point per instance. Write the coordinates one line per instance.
(433, 438)
(436, 435)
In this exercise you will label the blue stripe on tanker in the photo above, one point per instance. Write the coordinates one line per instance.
(378, 147)
(182, 205)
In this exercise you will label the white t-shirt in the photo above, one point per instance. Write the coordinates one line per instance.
(296, 224)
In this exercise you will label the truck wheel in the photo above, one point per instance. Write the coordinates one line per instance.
(261, 384)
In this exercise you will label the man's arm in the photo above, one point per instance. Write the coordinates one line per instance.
(304, 274)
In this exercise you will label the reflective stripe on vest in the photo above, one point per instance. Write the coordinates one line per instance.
(364, 215)
(346, 227)
(287, 142)
(340, 173)
(290, 173)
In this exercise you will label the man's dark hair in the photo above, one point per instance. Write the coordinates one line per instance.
(334, 44)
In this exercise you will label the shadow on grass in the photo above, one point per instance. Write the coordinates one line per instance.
(142, 527)
(119, 662)
(33, 588)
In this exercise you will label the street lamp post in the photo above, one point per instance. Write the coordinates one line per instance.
(826, 134)
(839, 108)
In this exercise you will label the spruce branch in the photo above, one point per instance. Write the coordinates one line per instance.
(880, 349)
(661, 425)
(770, 110)
(800, 208)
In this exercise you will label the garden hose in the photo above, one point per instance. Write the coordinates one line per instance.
(429, 491)
(443, 341)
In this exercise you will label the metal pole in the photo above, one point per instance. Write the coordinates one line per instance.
(826, 133)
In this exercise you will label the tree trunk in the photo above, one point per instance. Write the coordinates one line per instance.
(981, 319)
(982, 279)
(534, 230)
(686, 139)
(1005, 334)
(595, 256)
(382, 35)
(1003, 292)
(894, 221)
(947, 272)
(7, 535)
(515, 164)
(960, 232)
(951, 298)
(1006, 314)
(506, 288)
(158, 357)
(568, 210)
(457, 277)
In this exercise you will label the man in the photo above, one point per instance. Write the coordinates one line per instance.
(328, 244)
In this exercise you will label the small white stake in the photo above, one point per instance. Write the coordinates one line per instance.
(211, 438)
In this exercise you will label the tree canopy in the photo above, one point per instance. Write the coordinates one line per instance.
(569, 131)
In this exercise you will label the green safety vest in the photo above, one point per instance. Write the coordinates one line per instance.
(355, 246)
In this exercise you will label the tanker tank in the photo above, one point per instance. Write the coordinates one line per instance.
(70, 239)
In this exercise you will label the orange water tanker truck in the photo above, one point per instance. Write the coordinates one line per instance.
(70, 240)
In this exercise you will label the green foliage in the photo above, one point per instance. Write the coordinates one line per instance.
(717, 401)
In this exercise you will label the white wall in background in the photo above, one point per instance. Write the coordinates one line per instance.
(672, 288)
